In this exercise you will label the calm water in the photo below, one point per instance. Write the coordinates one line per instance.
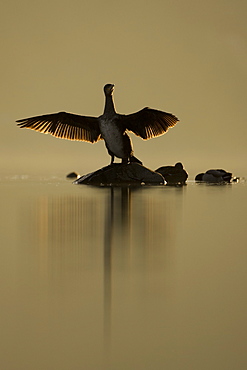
(119, 278)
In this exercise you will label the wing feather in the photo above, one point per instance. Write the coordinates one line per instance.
(64, 125)
(148, 123)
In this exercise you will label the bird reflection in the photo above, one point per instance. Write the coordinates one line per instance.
(117, 219)
(99, 240)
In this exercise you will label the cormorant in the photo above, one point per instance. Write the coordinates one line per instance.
(110, 126)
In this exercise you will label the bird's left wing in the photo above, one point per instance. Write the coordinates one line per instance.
(65, 126)
(149, 123)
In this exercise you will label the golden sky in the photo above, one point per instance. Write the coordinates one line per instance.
(187, 57)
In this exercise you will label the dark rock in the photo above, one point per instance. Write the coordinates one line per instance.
(72, 175)
(119, 173)
(173, 174)
(214, 176)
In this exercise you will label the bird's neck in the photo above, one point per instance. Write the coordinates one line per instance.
(109, 105)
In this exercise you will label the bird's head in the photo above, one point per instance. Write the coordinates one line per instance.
(179, 166)
(108, 89)
(199, 177)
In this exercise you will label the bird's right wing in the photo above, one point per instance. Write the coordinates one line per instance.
(65, 126)
(148, 123)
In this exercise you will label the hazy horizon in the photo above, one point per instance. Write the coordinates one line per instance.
(187, 58)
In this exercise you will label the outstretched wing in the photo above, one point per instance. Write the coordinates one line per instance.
(65, 126)
(149, 123)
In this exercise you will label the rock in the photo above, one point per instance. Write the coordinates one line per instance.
(174, 175)
(119, 173)
(214, 176)
(72, 175)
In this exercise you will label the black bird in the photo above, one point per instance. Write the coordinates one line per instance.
(173, 174)
(214, 176)
(110, 126)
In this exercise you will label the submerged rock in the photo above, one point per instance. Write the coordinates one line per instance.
(173, 174)
(118, 174)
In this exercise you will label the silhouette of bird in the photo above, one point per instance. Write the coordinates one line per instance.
(214, 176)
(110, 126)
(173, 174)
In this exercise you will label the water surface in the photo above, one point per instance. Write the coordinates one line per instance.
(122, 278)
